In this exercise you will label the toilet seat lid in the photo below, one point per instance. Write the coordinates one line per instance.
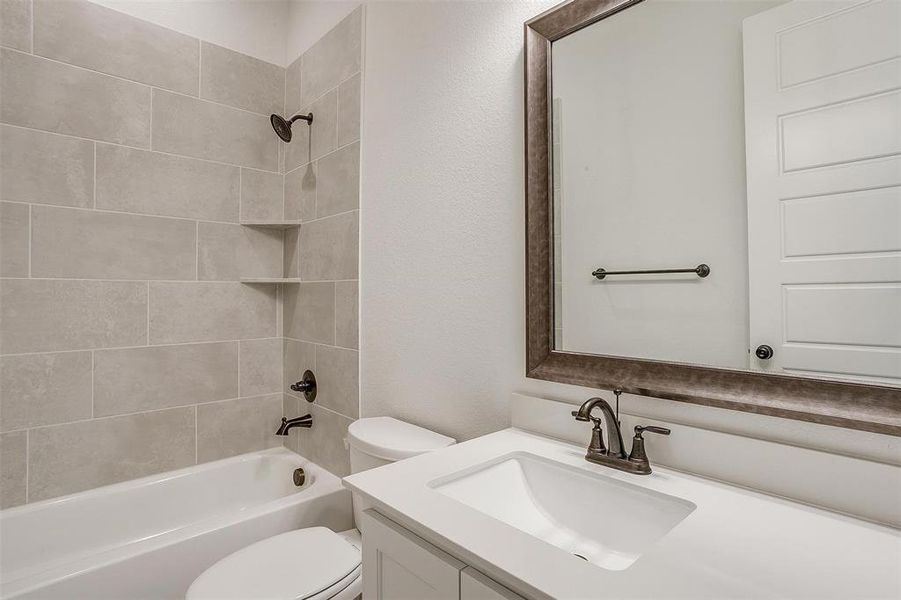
(290, 566)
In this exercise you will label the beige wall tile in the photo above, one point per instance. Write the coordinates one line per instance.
(349, 110)
(79, 456)
(43, 168)
(237, 426)
(142, 379)
(99, 38)
(141, 181)
(86, 244)
(347, 314)
(297, 151)
(43, 315)
(203, 311)
(333, 58)
(261, 367)
(300, 193)
(310, 312)
(324, 442)
(325, 123)
(292, 87)
(229, 252)
(262, 196)
(337, 373)
(13, 240)
(192, 127)
(329, 248)
(44, 389)
(51, 96)
(13, 469)
(298, 356)
(241, 81)
(292, 252)
(291, 409)
(15, 24)
(338, 181)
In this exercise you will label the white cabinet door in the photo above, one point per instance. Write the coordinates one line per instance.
(398, 565)
(476, 586)
(823, 136)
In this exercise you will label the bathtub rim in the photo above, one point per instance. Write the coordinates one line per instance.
(322, 483)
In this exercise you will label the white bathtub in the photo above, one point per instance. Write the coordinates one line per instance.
(149, 538)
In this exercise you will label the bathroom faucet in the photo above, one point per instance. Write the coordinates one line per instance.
(615, 455)
(288, 424)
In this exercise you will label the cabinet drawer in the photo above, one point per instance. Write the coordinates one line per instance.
(399, 565)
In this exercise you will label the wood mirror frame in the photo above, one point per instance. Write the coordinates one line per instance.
(859, 406)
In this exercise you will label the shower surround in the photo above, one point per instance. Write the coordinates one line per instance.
(129, 155)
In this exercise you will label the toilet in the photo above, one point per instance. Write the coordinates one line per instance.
(316, 563)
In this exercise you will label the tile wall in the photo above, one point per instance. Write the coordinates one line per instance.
(128, 155)
(322, 189)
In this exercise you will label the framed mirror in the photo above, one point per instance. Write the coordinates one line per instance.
(713, 194)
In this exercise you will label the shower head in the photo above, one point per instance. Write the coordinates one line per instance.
(283, 128)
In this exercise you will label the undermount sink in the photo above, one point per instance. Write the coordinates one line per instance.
(606, 521)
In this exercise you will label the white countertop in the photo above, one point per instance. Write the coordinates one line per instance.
(736, 544)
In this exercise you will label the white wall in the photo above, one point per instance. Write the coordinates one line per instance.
(653, 177)
(309, 20)
(257, 28)
(442, 241)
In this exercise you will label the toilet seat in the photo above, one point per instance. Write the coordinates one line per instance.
(306, 564)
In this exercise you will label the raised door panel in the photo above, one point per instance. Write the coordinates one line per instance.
(823, 135)
(398, 565)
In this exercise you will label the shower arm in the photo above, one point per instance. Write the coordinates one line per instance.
(308, 118)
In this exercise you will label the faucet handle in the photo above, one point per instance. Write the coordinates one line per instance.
(639, 429)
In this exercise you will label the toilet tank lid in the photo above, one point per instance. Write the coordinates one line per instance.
(390, 439)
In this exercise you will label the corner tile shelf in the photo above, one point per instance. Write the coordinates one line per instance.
(270, 280)
(272, 224)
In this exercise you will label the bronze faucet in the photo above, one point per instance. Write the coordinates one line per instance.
(615, 455)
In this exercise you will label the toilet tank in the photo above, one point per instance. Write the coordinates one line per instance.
(377, 441)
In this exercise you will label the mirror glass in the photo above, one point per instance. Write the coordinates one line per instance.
(752, 145)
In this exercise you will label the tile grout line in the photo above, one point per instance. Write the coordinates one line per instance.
(320, 96)
(136, 82)
(326, 155)
(130, 147)
(147, 346)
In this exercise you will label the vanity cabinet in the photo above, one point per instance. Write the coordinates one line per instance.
(399, 565)
(478, 586)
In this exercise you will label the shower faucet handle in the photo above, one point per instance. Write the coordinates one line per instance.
(307, 385)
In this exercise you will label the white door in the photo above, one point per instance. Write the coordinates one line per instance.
(823, 136)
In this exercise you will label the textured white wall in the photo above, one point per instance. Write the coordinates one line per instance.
(442, 212)
(442, 241)
(257, 28)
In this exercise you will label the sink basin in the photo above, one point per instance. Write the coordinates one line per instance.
(606, 521)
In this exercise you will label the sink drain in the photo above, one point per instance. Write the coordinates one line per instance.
(580, 556)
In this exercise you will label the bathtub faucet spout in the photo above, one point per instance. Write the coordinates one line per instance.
(288, 424)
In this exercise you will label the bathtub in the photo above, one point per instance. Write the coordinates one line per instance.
(150, 537)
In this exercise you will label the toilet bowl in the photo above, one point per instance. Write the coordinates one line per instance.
(316, 563)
